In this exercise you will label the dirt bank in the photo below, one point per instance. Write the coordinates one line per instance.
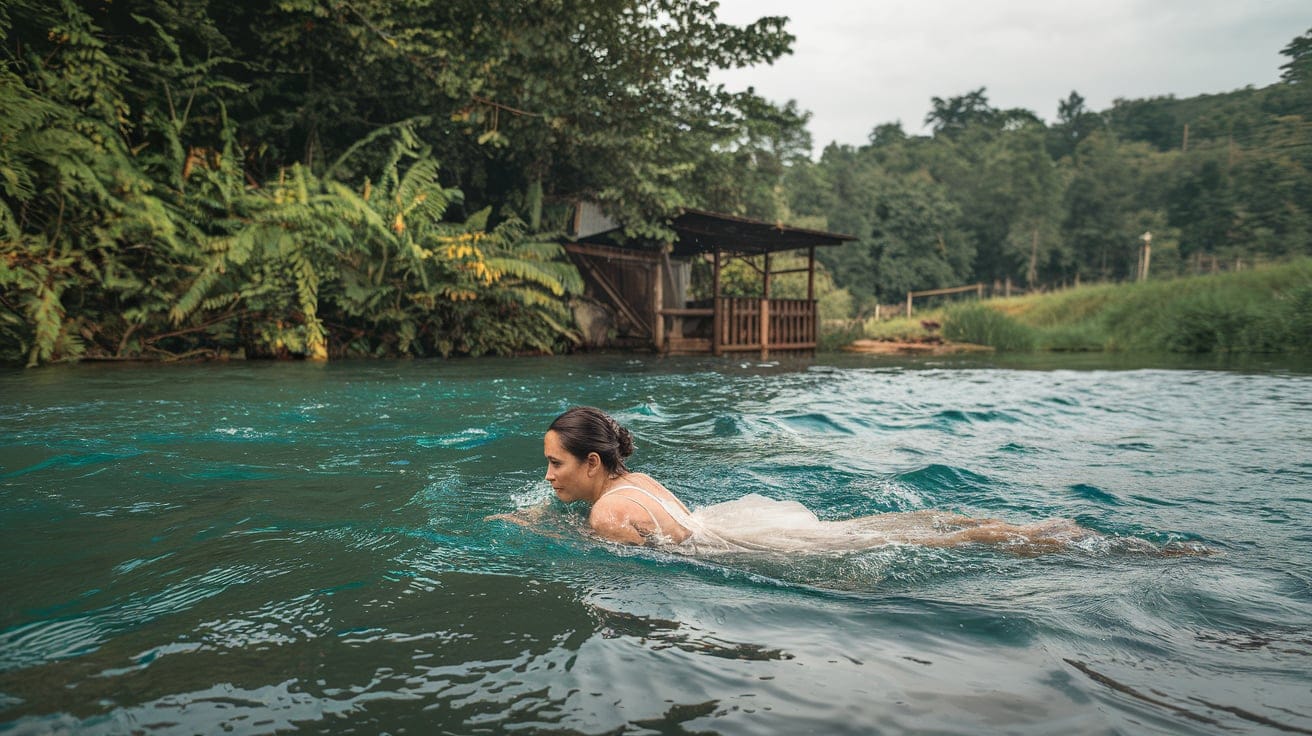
(926, 347)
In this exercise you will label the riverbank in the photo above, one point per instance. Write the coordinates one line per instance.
(927, 346)
(1266, 310)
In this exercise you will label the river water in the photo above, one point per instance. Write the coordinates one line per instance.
(266, 547)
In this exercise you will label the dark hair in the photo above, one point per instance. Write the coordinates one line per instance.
(584, 429)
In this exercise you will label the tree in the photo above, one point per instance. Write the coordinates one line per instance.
(524, 103)
(917, 240)
(1075, 122)
(955, 114)
(1298, 70)
(1148, 120)
(745, 176)
(1101, 203)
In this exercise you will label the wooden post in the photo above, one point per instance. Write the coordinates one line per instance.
(658, 303)
(908, 305)
(1032, 274)
(1006, 287)
(810, 273)
(717, 319)
(810, 296)
(765, 309)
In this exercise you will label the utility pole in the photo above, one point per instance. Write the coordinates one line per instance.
(1145, 255)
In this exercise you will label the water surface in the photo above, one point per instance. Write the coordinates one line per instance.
(273, 547)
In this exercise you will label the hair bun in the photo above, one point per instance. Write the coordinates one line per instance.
(624, 441)
(584, 429)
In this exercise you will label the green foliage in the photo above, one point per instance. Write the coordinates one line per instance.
(1295, 313)
(1258, 311)
(978, 324)
(1249, 311)
(128, 238)
(834, 335)
(1074, 338)
(742, 277)
(262, 179)
(910, 329)
(1204, 323)
(525, 103)
(909, 230)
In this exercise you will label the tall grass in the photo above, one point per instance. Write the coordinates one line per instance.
(1259, 311)
(977, 323)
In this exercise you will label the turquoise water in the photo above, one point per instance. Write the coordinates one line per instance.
(254, 548)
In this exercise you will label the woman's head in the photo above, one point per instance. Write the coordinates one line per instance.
(584, 430)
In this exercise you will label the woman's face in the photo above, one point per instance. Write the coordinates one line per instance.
(567, 474)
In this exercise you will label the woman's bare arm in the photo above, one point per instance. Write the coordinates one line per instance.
(611, 522)
(523, 517)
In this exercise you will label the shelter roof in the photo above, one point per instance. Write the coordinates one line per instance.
(700, 231)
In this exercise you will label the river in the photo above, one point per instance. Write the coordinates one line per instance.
(263, 547)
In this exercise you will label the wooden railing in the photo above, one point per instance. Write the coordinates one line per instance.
(789, 324)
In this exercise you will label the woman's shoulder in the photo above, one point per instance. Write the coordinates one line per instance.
(641, 478)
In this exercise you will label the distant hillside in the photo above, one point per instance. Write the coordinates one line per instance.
(1247, 117)
(998, 195)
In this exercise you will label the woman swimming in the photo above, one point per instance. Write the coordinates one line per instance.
(586, 448)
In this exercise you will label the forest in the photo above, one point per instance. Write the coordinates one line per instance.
(342, 178)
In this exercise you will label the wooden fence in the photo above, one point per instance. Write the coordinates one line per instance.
(790, 324)
(977, 288)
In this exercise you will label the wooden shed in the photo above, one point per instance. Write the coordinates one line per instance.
(646, 286)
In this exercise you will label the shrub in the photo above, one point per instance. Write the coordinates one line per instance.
(1297, 318)
(979, 324)
(1083, 337)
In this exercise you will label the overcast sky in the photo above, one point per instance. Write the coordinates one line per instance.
(858, 63)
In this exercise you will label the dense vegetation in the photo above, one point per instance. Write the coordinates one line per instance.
(342, 177)
(356, 177)
(994, 195)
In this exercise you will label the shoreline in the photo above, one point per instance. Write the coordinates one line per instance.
(909, 347)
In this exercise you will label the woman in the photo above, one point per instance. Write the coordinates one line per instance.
(585, 450)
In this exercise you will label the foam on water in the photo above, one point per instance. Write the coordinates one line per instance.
(270, 547)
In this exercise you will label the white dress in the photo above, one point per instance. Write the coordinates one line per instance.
(755, 523)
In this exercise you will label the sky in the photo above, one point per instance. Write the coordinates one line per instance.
(859, 63)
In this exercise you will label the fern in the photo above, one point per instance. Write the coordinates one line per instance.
(131, 226)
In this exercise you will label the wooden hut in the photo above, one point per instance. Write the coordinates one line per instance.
(645, 286)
